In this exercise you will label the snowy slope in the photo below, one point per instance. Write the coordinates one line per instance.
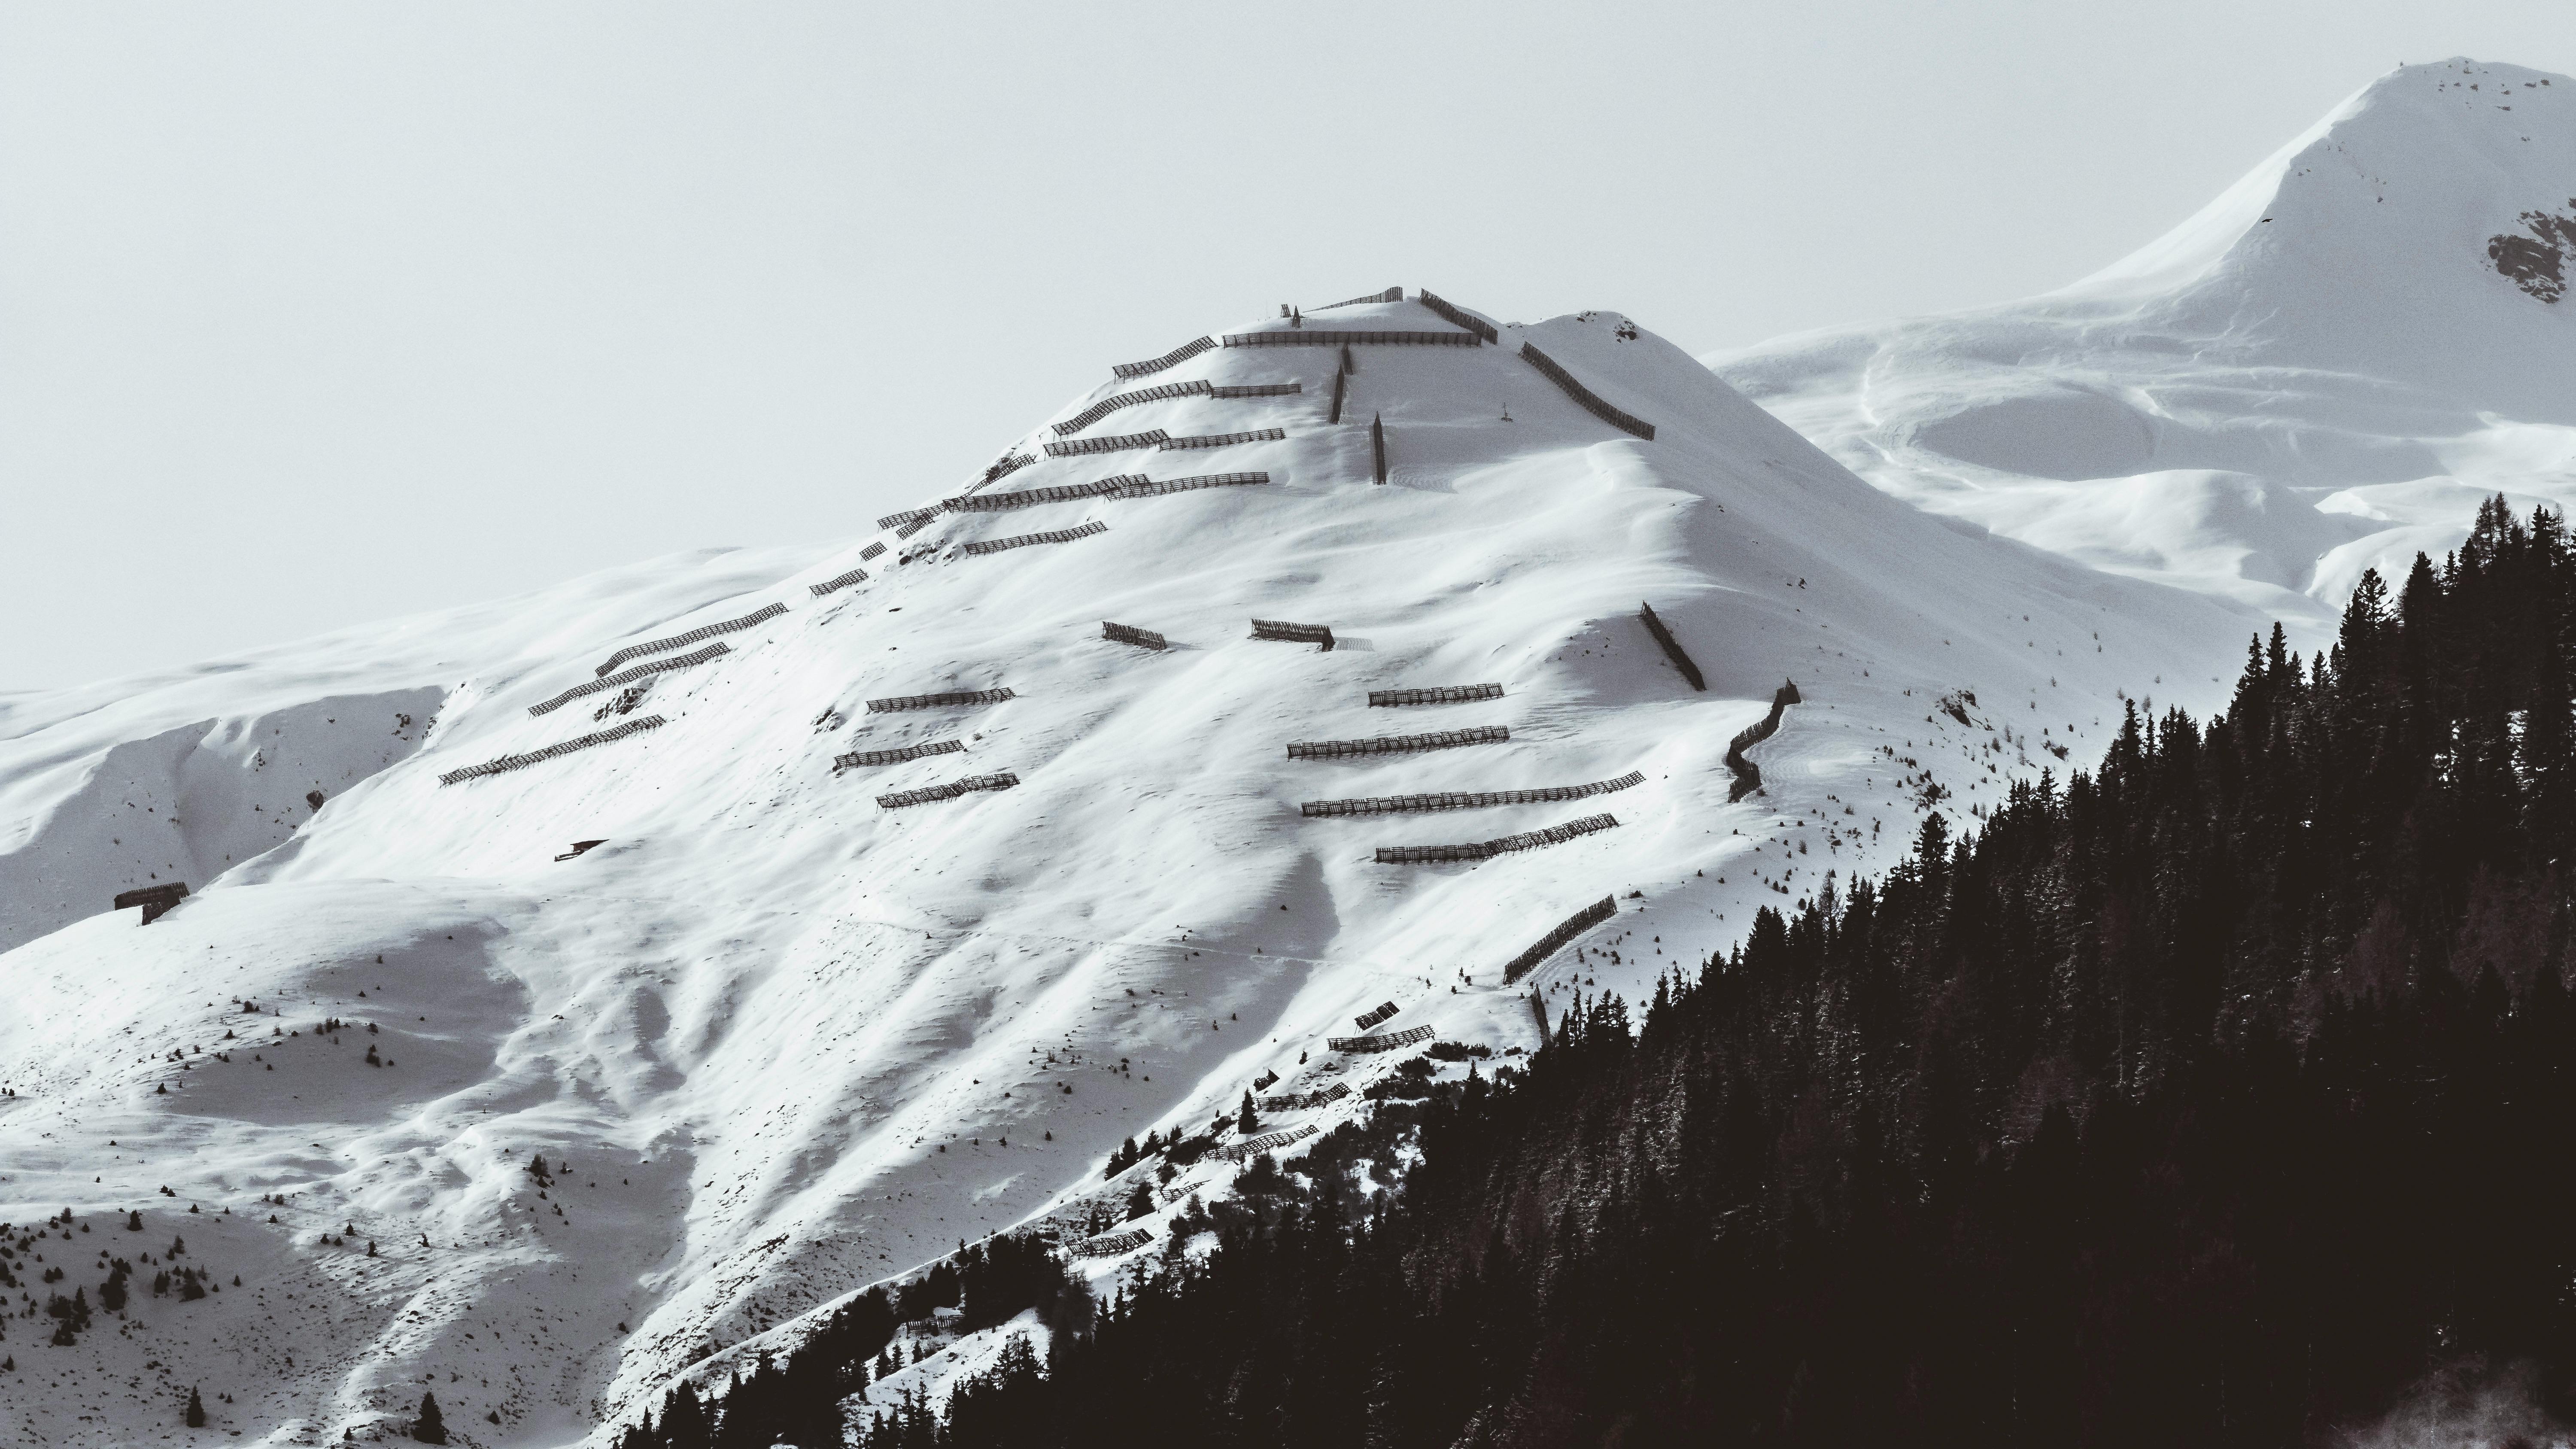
(779, 1042)
(2325, 370)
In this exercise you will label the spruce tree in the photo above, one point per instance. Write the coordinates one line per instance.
(429, 1428)
(196, 1409)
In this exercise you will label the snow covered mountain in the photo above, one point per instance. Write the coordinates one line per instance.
(780, 1033)
(2323, 371)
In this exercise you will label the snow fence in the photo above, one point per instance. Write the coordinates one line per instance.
(950, 791)
(521, 762)
(683, 641)
(1554, 941)
(1468, 799)
(629, 676)
(1488, 849)
(1399, 744)
(1590, 401)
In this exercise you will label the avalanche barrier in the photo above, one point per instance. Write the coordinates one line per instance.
(854, 576)
(521, 762)
(1173, 358)
(856, 758)
(872, 550)
(1438, 694)
(1143, 489)
(1110, 1245)
(682, 641)
(1481, 328)
(1288, 633)
(1031, 497)
(1224, 440)
(156, 900)
(1374, 1017)
(1672, 646)
(1268, 1140)
(1466, 800)
(1106, 443)
(1108, 405)
(909, 515)
(1748, 778)
(1336, 337)
(1391, 294)
(950, 791)
(1023, 540)
(629, 676)
(892, 703)
(1340, 381)
(1487, 850)
(1554, 941)
(1398, 744)
(1386, 1043)
(1299, 1101)
(1263, 389)
(1591, 403)
(1127, 634)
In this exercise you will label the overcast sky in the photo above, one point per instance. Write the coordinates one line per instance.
(314, 314)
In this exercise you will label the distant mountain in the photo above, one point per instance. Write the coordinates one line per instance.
(914, 896)
(2326, 369)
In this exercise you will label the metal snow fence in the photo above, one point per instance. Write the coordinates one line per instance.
(1267, 1141)
(871, 551)
(629, 676)
(1554, 941)
(1031, 497)
(1374, 1017)
(909, 515)
(949, 791)
(1010, 463)
(1335, 337)
(520, 762)
(1108, 405)
(842, 581)
(1107, 443)
(1262, 389)
(1126, 634)
(857, 758)
(1672, 646)
(1469, 800)
(1110, 1245)
(682, 641)
(1487, 850)
(1438, 694)
(1023, 540)
(1224, 440)
(937, 701)
(1591, 402)
(1286, 632)
(1477, 325)
(1173, 358)
(916, 525)
(1399, 744)
(1385, 1043)
(1391, 294)
(1141, 488)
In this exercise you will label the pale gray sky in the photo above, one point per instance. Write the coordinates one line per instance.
(318, 313)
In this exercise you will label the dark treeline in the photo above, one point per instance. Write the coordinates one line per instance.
(2219, 1096)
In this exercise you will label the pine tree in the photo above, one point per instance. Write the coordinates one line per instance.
(1245, 1122)
(429, 1428)
(196, 1416)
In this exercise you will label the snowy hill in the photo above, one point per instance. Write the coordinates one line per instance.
(776, 1039)
(2325, 370)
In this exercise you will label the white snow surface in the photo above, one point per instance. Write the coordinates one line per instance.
(784, 1043)
(2321, 372)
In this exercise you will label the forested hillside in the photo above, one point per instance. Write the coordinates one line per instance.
(2218, 1095)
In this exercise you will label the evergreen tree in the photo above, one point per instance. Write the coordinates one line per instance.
(196, 1415)
(429, 1427)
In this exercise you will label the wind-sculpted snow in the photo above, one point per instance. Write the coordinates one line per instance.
(2325, 370)
(770, 1043)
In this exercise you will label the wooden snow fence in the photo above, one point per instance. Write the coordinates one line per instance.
(1377, 443)
(683, 641)
(1386, 1043)
(1468, 800)
(1672, 646)
(1263, 389)
(1300, 1101)
(840, 581)
(1590, 401)
(1032, 497)
(1262, 1083)
(1110, 1245)
(1477, 325)
(1173, 358)
(520, 762)
(1010, 463)
(1391, 294)
(1287, 633)
(1399, 744)
(913, 527)
(1488, 849)
(1142, 489)
(1748, 778)
(1341, 382)
(857, 758)
(1374, 1017)
(1437, 694)
(1343, 336)
(1223, 440)
(1024, 540)
(909, 515)
(1555, 940)
(1267, 1141)
(1106, 443)
(894, 703)
(950, 791)
(1108, 405)
(629, 676)
(1129, 634)
(156, 900)
(871, 551)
